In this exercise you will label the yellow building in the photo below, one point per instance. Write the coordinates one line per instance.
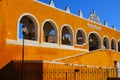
(58, 45)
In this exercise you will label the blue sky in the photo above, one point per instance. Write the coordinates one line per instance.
(108, 10)
(20, 30)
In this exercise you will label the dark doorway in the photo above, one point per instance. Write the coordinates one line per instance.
(67, 36)
(106, 43)
(113, 44)
(94, 42)
(80, 37)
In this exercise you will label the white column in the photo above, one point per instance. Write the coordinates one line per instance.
(118, 69)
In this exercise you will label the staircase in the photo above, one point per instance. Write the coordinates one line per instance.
(96, 58)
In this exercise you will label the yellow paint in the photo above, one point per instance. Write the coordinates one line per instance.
(11, 10)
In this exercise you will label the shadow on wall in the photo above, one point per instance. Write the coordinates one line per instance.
(113, 79)
(13, 70)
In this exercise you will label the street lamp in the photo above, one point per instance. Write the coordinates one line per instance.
(23, 32)
(75, 71)
(66, 76)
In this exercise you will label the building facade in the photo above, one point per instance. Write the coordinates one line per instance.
(55, 41)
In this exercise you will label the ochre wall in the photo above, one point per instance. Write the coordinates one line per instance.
(95, 58)
(10, 14)
(58, 71)
(47, 70)
(43, 12)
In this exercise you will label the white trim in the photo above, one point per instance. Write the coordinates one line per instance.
(67, 25)
(68, 57)
(94, 27)
(67, 64)
(76, 16)
(55, 8)
(81, 29)
(49, 45)
(43, 44)
(80, 14)
(20, 42)
(105, 23)
(67, 9)
(52, 4)
(50, 20)
(97, 37)
(79, 65)
(32, 17)
(70, 47)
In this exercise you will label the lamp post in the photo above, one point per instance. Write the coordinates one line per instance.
(66, 76)
(75, 71)
(23, 32)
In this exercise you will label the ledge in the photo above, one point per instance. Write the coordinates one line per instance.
(43, 44)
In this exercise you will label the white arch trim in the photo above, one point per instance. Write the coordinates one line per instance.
(61, 33)
(97, 36)
(33, 17)
(50, 20)
(81, 29)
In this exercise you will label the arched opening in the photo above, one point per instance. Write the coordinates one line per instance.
(50, 32)
(113, 44)
(94, 42)
(80, 37)
(106, 43)
(31, 26)
(119, 46)
(67, 36)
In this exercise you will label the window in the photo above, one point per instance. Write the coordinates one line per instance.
(94, 42)
(67, 36)
(31, 26)
(50, 33)
(80, 37)
(106, 43)
(113, 44)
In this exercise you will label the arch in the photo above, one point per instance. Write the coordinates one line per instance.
(50, 32)
(106, 43)
(94, 41)
(31, 23)
(80, 37)
(118, 46)
(66, 35)
(113, 44)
